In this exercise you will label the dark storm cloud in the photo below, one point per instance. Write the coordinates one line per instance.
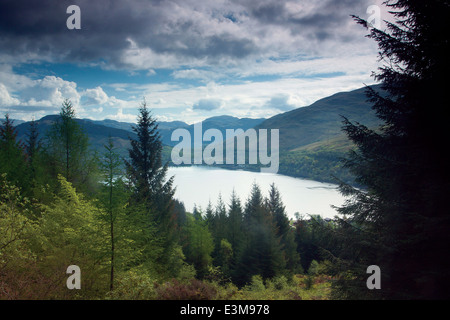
(186, 30)
(319, 19)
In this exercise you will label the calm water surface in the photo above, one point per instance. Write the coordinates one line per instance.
(199, 184)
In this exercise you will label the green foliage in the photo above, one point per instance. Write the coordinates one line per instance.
(149, 188)
(12, 160)
(129, 237)
(67, 150)
(321, 121)
(73, 234)
(113, 196)
(262, 252)
(16, 227)
(317, 164)
(133, 285)
(198, 245)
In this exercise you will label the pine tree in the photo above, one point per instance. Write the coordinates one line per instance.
(144, 167)
(12, 155)
(235, 226)
(112, 197)
(68, 150)
(33, 147)
(33, 144)
(400, 220)
(277, 211)
(261, 254)
(147, 177)
(219, 227)
(199, 244)
(209, 214)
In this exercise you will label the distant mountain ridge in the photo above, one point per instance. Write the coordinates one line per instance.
(311, 137)
(167, 127)
(322, 120)
(15, 122)
(99, 131)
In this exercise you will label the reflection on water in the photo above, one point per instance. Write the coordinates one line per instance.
(200, 184)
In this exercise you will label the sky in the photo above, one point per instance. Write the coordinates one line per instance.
(188, 60)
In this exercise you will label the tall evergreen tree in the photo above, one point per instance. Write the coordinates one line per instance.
(209, 214)
(235, 225)
(147, 176)
(113, 197)
(219, 228)
(144, 167)
(199, 244)
(33, 155)
(68, 150)
(261, 253)
(33, 144)
(277, 211)
(400, 220)
(12, 154)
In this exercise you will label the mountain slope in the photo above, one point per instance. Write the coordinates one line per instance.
(166, 128)
(99, 131)
(311, 138)
(98, 134)
(322, 120)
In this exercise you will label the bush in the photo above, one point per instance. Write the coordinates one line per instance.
(133, 286)
(257, 284)
(277, 283)
(192, 290)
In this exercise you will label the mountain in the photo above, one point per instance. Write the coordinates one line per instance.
(166, 128)
(311, 137)
(229, 122)
(15, 122)
(98, 134)
(322, 121)
(99, 131)
(312, 143)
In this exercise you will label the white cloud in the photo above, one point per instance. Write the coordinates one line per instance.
(40, 97)
(49, 91)
(5, 97)
(95, 96)
(123, 117)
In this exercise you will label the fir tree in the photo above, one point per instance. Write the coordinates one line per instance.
(33, 144)
(112, 196)
(12, 157)
(235, 226)
(276, 208)
(400, 220)
(68, 151)
(147, 177)
(145, 170)
(33, 155)
(261, 253)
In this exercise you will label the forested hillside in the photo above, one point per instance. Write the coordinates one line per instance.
(64, 203)
(78, 220)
